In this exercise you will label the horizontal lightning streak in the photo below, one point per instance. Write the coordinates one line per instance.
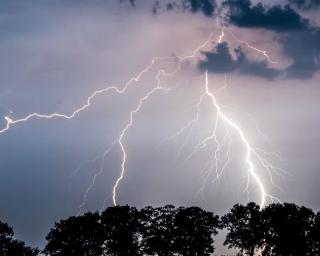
(10, 122)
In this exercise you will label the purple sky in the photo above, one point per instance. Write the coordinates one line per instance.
(54, 54)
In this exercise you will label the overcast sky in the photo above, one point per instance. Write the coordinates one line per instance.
(54, 54)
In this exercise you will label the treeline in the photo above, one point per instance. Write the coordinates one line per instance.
(277, 230)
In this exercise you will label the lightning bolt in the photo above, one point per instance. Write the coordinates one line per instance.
(248, 148)
(10, 122)
(251, 152)
(180, 59)
(127, 127)
(259, 51)
(263, 52)
(95, 177)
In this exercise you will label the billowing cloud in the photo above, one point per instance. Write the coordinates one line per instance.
(205, 7)
(299, 39)
(220, 60)
(243, 13)
(292, 32)
(303, 48)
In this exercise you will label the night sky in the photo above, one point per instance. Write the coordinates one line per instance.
(264, 73)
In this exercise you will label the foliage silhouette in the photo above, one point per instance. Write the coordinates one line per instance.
(194, 230)
(182, 231)
(288, 229)
(277, 230)
(315, 236)
(157, 229)
(245, 228)
(120, 228)
(81, 235)
(12, 247)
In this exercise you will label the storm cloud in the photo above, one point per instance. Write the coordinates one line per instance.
(206, 7)
(303, 48)
(290, 30)
(220, 60)
(297, 36)
(243, 13)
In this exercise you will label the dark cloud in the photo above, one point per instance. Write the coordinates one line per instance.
(298, 36)
(299, 39)
(133, 2)
(301, 46)
(304, 49)
(243, 13)
(305, 4)
(220, 60)
(206, 7)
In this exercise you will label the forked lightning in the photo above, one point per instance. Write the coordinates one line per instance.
(251, 153)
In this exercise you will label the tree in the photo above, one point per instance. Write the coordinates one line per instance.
(81, 235)
(315, 236)
(245, 229)
(288, 229)
(12, 247)
(157, 229)
(193, 231)
(120, 228)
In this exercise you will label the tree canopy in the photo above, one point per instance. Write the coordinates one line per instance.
(288, 230)
(81, 235)
(245, 228)
(194, 231)
(278, 229)
(12, 247)
(120, 226)
(123, 230)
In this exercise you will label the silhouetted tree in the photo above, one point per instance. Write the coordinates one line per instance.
(81, 235)
(288, 229)
(12, 247)
(245, 229)
(120, 225)
(193, 231)
(279, 229)
(315, 236)
(157, 229)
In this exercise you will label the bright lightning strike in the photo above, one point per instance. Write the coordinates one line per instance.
(127, 127)
(251, 154)
(259, 51)
(249, 150)
(10, 122)
(263, 52)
